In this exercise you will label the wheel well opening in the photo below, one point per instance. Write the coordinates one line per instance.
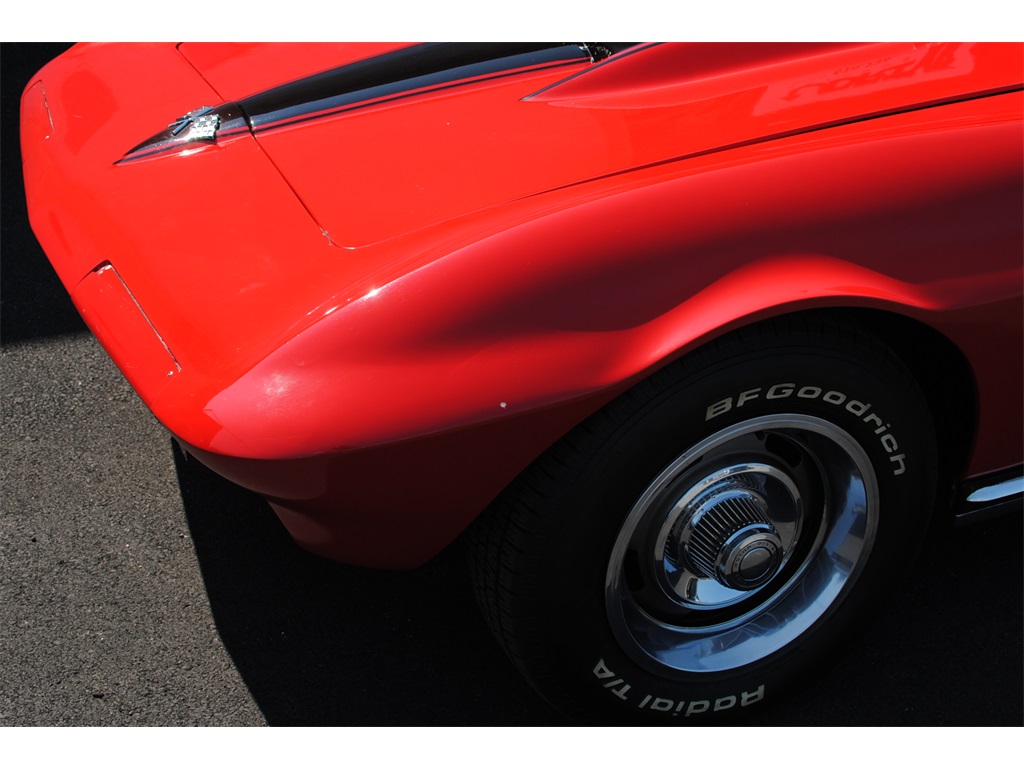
(945, 378)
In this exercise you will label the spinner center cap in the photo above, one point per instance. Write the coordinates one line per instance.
(731, 539)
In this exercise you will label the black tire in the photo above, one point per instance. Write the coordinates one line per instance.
(690, 551)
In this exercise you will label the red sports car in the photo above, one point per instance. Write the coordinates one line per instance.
(692, 342)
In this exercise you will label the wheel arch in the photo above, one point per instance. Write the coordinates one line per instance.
(945, 376)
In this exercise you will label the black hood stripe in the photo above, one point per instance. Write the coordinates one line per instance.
(375, 99)
(407, 72)
(419, 69)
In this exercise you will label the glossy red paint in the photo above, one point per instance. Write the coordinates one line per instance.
(377, 320)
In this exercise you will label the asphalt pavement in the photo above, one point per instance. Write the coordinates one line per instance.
(138, 588)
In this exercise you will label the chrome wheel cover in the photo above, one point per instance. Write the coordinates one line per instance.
(741, 544)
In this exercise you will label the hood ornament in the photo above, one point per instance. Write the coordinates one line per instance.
(209, 125)
(202, 124)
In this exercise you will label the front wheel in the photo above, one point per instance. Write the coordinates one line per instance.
(695, 547)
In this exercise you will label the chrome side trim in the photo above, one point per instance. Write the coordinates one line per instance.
(998, 491)
(990, 497)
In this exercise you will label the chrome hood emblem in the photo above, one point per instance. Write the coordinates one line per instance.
(198, 129)
(202, 124)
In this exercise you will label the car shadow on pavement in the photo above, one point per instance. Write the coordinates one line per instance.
(318, 643)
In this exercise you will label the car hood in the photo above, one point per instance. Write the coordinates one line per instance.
(393, 138)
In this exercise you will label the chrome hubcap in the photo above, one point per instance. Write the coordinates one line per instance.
(728, 534)
(741, 544)
(734, 543)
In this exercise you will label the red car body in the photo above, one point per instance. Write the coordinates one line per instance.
(377, 312)
(706, 329)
